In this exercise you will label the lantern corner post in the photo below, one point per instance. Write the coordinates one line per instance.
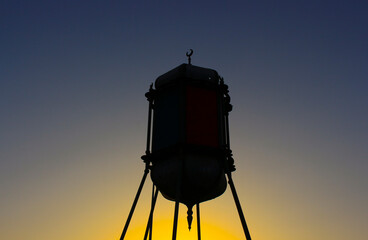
(150, 95)
(147, 159)
(229, 160)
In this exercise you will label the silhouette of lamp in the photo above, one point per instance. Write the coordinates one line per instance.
(188, 145)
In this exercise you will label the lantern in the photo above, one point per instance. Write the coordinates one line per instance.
(188, 135)
(188, 147)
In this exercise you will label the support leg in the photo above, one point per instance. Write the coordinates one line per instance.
(134, 204)
(178, 195)
(198, 223)
(154, 197)
(175, 220)
(150, 219)
(238, 206)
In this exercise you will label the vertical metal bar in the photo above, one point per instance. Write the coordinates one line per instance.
(175, 219)
(238, 206)
(134, 204)
(198, 223)
(150, 219)
(149, 127)
(227, 130)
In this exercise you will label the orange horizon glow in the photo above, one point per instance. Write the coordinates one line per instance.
(162, 229)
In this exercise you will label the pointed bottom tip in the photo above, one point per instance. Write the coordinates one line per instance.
(190, 218)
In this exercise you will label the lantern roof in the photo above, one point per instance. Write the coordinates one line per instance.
(190, 72)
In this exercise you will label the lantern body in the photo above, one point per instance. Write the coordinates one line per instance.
(188, 135)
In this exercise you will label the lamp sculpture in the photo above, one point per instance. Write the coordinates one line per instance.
(188, 145)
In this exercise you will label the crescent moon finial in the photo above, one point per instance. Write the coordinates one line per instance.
(189, 54)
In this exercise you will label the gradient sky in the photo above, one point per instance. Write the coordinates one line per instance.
(73, 115)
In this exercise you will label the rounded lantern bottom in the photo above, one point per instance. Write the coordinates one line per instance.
(189, 178)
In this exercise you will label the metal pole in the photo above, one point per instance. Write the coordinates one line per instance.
(175, 220)
(150, 219)
(134, 204)
(238, 206)
(154, 197)
(198, 223)
(150, 107)
(152, 207)
(227, 130)
(178, 195)
(229, 165)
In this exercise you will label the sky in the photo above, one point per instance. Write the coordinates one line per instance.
(73, 115)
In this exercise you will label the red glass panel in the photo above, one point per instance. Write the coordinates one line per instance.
(201, 117)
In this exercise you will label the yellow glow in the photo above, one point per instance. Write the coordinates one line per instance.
(162, 229)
